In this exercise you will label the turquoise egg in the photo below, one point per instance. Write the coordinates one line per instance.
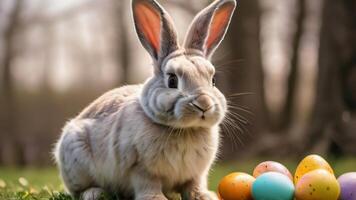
(273, 186)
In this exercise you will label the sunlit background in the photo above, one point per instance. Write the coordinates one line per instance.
(288, 65)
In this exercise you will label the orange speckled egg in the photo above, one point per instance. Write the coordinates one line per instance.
(318, 184)
(271, 166)
(236, 186)
(311, 163)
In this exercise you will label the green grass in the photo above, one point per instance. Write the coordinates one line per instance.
(41, 184)
(30, 184)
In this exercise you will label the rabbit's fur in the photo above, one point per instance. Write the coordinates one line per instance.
(146, 141)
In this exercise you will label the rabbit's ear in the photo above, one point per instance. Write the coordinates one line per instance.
(209, 27)
(154, 28)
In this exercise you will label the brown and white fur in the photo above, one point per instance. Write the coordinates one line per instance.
(146, 141)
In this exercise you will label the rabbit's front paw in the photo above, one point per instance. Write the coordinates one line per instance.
(151, 197)
(92, 194)
(207, 195)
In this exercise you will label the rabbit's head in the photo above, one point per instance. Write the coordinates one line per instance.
(182, 92)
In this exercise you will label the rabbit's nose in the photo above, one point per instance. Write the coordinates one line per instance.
(203, 102)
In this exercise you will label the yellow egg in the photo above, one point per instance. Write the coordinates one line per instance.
(311, 163)
(318, 184)
(236, 186)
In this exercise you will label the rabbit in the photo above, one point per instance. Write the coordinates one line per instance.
(150, 140)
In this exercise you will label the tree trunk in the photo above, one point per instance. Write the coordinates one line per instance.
(14, 153)
(332, 123)
(245, 73)
(123, 46)
(285, 118)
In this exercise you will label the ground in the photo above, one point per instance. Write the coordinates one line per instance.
(43, 183)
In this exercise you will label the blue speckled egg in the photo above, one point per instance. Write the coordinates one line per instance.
(273, 186)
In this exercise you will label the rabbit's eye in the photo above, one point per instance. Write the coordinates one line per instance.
(172, 81)
(214, 81)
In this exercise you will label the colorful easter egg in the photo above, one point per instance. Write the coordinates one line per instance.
(348, 186)
(271, 166)
(236, 186)
(318, 184)
(273, 186)
(311, 163)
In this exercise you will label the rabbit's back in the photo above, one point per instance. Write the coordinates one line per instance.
(110, 102)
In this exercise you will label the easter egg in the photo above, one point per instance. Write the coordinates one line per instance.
(348, 186)
(271, 166)
(236, 186)
(318, 184)
(273, 186)
(311, 163)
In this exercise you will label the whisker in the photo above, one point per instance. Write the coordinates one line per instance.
(229, 62)
(246, 110)
(236, 140)
(228, 130)
(231, 105)
(235, 123)
(243, 126)
(239, 117)
(229, 122)
(241, 94)
(169, 135)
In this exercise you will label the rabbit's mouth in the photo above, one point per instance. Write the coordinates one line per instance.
(191, 114)
(202, 112)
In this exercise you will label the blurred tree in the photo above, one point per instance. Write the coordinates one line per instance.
(284, 120)
(12, 149)
(122, 41)
(16, 142)
(243, 40)
(187, 5)
(333, 123)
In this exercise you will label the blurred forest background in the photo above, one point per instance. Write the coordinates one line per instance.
(291, 63)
